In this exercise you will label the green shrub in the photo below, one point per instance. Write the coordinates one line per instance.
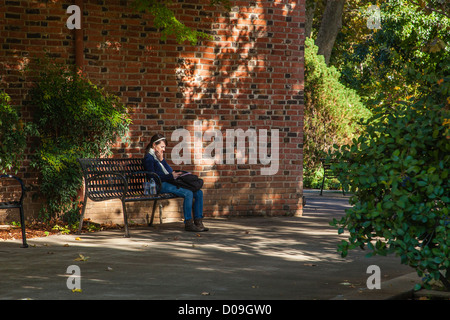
(398, 171)
(332, 111)
(74, 119)
(13, 136)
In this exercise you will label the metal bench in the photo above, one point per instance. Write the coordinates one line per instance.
(328, 173)
(17, 204)
(123, 179)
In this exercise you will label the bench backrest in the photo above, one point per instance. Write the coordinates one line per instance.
(103, 181)
(328, 172)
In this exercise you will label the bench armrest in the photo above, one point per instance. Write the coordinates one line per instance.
(22, 185)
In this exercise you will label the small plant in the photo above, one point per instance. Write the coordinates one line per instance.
(62, 229)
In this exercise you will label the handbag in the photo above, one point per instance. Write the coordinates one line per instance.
(189, 181)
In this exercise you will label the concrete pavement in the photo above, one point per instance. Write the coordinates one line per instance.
(252, 258)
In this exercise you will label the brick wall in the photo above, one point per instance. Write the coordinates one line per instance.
(249, 76)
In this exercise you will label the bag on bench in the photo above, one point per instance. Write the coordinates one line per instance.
(189, 181)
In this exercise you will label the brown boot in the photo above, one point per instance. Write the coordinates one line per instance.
(199, 223)
(190, 226)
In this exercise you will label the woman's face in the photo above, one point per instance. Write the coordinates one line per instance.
(160, 147)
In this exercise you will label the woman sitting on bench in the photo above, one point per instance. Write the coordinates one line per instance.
(154, 162)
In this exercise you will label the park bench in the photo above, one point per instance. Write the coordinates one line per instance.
(16, 204)
(123, 179)
(328, 173)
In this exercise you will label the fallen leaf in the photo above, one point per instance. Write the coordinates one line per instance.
(204, 293)
(81, 258)
(78, 238)
(66, 245)
(76, 290)
(109, 269)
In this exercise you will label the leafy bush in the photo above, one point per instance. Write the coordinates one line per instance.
(398, 171)
(332, 111)
(74, 119)
(13, 136)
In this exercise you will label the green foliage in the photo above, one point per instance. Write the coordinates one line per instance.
(169, 25)
(398, 168)
(13, 136)
(332, 111)
(398, 171)
(74, 119)
(383, 66)
(314, 179)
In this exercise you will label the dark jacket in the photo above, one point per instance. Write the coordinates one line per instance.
(152, 165)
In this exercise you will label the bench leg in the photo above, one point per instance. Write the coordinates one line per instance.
(323, 182)
(83, 209)
(160, 213)
(153, 213)
(22, 223)
(125, 220)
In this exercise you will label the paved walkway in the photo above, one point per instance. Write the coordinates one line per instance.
(276, 258)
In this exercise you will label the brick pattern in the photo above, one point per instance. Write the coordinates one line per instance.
(249, 75)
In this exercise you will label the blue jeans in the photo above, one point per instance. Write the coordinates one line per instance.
(192, 200)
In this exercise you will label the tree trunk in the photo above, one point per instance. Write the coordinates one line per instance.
(329, 27)
(310, 9)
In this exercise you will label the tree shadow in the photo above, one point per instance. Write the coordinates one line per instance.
(239, 258)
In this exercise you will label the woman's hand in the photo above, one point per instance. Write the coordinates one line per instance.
(159, 155)
(176, 174)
